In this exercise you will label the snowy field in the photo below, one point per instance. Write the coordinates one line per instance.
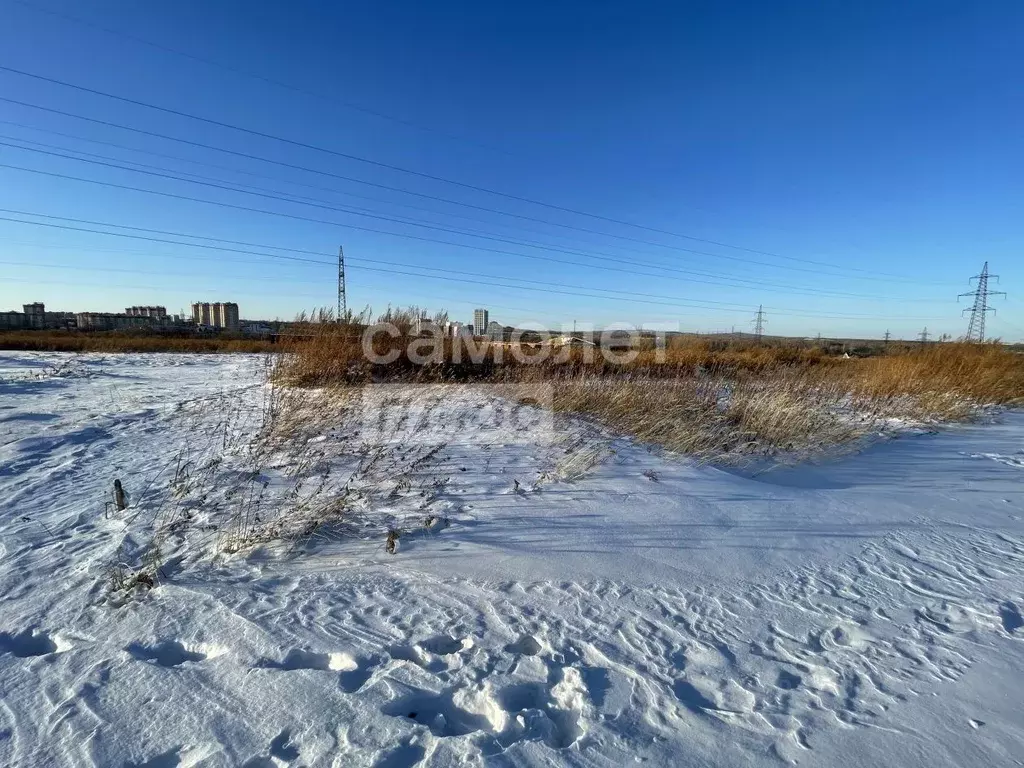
(559, 596)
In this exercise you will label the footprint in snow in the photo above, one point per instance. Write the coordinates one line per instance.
(438, 712)
(298, 658)
(282, 752)
(30, 643)
(787, 680)
(171, 653)
(526, 645)
(1011, 617)
(169, 759)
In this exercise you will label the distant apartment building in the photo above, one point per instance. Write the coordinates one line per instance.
(35, 315)
(480, 320)
(217, 315)
(495, 331)
(159, 314)
(457, 329)
(226, 315)
(110, 321)
(201, 314)
(12, 320)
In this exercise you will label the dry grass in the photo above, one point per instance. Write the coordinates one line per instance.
(715, 400)
(715, 419)
(979, 373)
(799, 410)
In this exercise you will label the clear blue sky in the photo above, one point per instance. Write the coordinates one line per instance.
(868, 155)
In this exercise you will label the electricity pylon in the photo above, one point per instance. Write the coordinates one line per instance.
(759, 323)
(342, 301)
(976, 327)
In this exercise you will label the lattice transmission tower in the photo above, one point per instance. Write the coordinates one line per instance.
(758, 322)
(342, 300)
(976, 327)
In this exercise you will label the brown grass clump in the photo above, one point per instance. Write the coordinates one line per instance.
(715, 419)
(799, 409)
(981, 373)
(713, 399)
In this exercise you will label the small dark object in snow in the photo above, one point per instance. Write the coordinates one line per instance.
(145, 580)
(651, 475)
(392, 542)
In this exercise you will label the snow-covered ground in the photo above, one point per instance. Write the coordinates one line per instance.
(574, 600)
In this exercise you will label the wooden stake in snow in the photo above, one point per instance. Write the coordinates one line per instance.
(119, 501)
(392, 543)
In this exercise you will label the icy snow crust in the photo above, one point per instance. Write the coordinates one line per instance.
(576, 599)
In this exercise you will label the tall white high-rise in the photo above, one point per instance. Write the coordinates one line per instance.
(219, 315)
(480, 320)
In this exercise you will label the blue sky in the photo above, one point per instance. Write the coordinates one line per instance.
(847, 165)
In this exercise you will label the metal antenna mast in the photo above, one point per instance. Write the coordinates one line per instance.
(976, 327)
(759, 322)
(887, 337)
(342, 302)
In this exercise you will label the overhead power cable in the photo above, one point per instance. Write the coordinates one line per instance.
(244, 172)
(263, 192)
(489, 283)
(676, 300)
(262, 78)
(332, 263)
(779, 310)
(758, 283)
(419, 174)
(328, 174)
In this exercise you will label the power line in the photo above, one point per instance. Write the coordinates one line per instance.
(364, 212)
(404, 235)
(329, 174)
(263, 78)
(505, 285)
(469, 233)
(265, 246)
(419, 174)
(192, 288)
(312, 202)
(372, 261)
(223, 184)
(158, 240)
(642, 296)
(316, 261)
(244, 172)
